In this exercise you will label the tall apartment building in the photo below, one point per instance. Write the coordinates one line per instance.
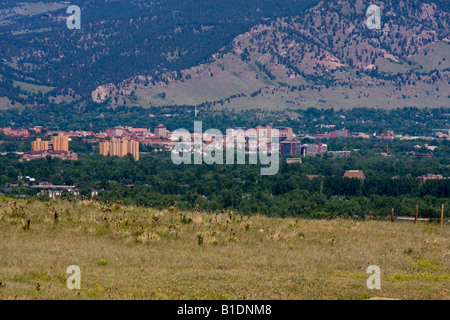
(285, 134)
(314, 149)
(59, 143)
(290, 147)
(58, 147)
(119, 147)
(39, 145)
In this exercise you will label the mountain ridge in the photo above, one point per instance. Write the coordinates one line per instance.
(117, 40)
(304, 60)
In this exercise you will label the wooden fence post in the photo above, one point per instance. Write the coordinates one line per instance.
(417, 212)
(442, 215)
(392, 215)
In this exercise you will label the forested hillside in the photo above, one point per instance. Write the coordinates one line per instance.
(326, 57)
(117, 40)
(236, 54)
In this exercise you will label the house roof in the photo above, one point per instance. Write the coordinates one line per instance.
(358, 174)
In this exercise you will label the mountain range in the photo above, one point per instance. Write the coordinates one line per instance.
(326, 57)
(227, 54)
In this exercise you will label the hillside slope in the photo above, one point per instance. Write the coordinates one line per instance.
(324, 58)
(117, 40)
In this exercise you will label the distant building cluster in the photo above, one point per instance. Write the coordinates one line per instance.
(160, 137)
(122, 140)
(295, 147)
(59, 143)
(54, 191)
(167, 139)
(45, 188)
(334, 134)
(15, 133)
(284, 134)
(119, 147)
(58, 147)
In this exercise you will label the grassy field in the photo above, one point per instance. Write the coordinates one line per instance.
(32, 88)
(141, 253)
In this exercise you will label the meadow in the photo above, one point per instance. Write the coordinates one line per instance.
(129, 252)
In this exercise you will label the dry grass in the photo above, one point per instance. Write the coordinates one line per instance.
(138, 253)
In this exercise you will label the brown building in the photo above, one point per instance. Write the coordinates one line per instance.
(39, 145)
(160, 131)
(285, 134)
(54, 191)
(57, 148)
(357, 174)
(430, 177)
(293, 160)
(119, 147)
(58, 143)
(66, 155)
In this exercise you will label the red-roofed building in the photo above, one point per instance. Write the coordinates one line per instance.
(430, 177)
(160, 131)
(169, 144)
(19, 133)
(354, 174)
(333, 134)
(37, 129)
(139, 130)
